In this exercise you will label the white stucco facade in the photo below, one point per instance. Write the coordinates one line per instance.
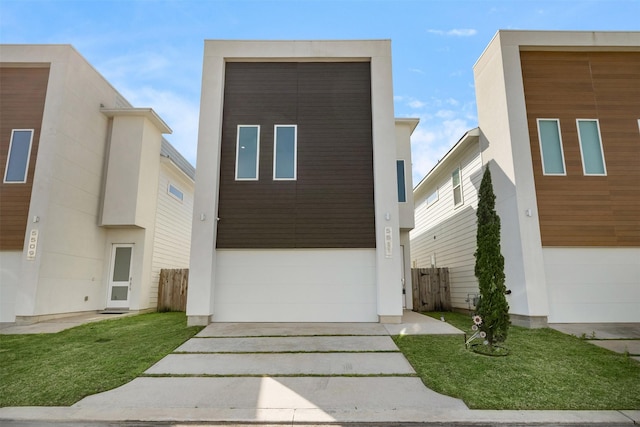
(92, 144)
(404, 130)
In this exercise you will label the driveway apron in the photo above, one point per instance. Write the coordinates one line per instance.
(286, 372)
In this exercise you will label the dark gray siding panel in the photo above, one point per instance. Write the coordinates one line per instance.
(331, 204)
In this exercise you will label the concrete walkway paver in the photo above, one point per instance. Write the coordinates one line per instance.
(259, 393)
(283, 364)
(619, 346)
(290, 329)
(288, 344)
(418, 324)
(618, 337)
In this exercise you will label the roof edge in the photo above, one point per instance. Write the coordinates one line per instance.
(149, 113)
(468, 136)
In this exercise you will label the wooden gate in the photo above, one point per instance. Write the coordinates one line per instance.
(431, 289)
(172, 289)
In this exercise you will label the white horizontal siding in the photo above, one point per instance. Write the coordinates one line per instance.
(446, 232)
(172, 242)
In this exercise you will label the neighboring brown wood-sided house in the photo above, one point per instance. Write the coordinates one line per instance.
(559, 126)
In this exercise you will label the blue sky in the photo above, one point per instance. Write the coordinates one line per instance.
(151, 51)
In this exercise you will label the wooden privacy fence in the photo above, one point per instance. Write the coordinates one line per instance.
(431, 290)
(172, 289)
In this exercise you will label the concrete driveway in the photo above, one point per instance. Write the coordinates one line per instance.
(281, 372)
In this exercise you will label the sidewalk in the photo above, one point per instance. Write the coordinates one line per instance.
(292, 374)
(618, 337)
(53, 326)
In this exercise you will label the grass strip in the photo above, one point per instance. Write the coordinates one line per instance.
(545, 370)
(60, 369)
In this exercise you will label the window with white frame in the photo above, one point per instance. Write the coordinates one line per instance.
(591, 147)
(285, 152)
(432, 198)
(18, 156)
(551, 147)
(247, 152)
(401, 181)
(175, 192)
(456, 183)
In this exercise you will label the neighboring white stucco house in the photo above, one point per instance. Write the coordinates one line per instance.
(558, 125)
(94, 200)
(297, 214)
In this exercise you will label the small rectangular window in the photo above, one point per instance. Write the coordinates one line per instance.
(18, 156)
(551, 147)
(402, 185)
(173, 191)
(591, 147)
(456, 183)
(432, 198)
(247, 152)
(285, 152)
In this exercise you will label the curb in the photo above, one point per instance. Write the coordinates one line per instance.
(35, 416)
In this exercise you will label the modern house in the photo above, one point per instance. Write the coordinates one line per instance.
(93, 200)
(303, 196)
(559, 127)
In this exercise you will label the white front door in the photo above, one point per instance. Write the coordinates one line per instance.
(120, 276)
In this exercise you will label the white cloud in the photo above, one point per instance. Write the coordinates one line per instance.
(462, 32)
(445, 114)
(456, 32)
(416, 70)
(431, 141)
(416, 104)
(144, 64)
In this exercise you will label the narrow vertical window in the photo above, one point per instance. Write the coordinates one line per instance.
(591, 147)
(456, 183)
(402, 184)
(18, 157)
(247, 152)
(551, 147)
(285, 152)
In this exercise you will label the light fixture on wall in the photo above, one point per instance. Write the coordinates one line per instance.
(527, 212)
(387, 216)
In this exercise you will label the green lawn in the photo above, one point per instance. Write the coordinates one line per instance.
(545, 370)
(60, 369)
